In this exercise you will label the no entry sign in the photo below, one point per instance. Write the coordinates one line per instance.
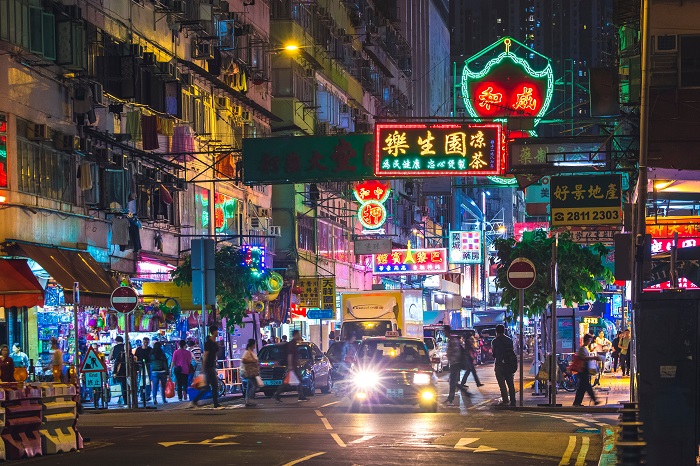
(124, 299)
(521, 273)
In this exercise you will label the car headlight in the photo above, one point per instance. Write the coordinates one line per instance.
(421, 378)
(366, 379)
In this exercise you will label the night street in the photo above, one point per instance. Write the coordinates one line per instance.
(322, 431)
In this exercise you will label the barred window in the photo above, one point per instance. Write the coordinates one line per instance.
(46, 172)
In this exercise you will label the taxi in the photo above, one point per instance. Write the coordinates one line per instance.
(393, 370)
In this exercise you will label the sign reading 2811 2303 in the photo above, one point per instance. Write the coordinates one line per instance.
(586, 200)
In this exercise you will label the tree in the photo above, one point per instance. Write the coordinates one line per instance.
(581, 273)
(239, 275)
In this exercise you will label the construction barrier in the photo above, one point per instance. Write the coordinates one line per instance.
(59, 416)
(23, 419)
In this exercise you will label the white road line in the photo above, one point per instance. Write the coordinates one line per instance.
(363, 439)
(318, 413)
(569, 450)
(329, 404)
(338, 440)
(463, 442)
(581, 458)
(307, 457)
(326, 423)
(580, 424)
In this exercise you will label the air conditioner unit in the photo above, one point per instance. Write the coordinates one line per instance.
(275, 230)
(98, 94)
(344, 108)
(237, 110)
(245, 116)
(67, 142)
(137, 50)
(38, 132)
(263, 213)
(222, 103)
(159, 176)
(310, 72)
(181, 185)
(186, 79)
(118, 159)
(179, 6)
(322, 128)
(164, 68)
(202, 50)
(255, 223)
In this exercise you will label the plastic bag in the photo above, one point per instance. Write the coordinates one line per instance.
(199, 382)
(169, 388)
(291, 379)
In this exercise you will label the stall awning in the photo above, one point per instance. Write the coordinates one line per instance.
(164, 290)
(68, 266)
(18, 285)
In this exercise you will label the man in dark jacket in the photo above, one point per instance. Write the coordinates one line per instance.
(502, 346)
(292, 366)
(454, 357)
(118, 358)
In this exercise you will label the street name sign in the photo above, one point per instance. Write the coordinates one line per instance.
(320, 314)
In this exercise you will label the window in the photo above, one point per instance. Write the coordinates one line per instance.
(307, 237)
(46, 172)
(690, 61)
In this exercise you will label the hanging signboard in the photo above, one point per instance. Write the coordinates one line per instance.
(425, 149)
(465, 247)
(410, 262)
(327, 288)
(311, 295)
(371, 195)
(586, 200)
(556, 155)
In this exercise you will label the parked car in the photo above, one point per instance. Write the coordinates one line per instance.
(438, 357)
(393, 370)
(313, 365)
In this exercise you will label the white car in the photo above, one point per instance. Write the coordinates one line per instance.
(438, 357)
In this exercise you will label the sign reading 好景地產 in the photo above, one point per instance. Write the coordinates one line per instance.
(586, 200)
(424, 149)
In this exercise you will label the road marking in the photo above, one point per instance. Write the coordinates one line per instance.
(463, 442)
(338, 440)
(329, 404)
(581, 458)
(363, 439)
(580, 424)
(307, 457)
(569, 450)
(208, 442)
(318, 413)
(326, 423)
(126, 427)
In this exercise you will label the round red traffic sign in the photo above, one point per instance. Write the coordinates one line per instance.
(521, 273)
(124, 299)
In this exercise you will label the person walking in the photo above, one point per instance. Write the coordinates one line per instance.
(602, 346)
(142, 356)
(293, 366)
(454, 357)
(468, 359)
(7, 365)
(588, 361)
(502, 346)
(159, 371)
(211, 352)
(181, 366)
(251, 369)
(624, 352)
(616, 350)
(118, 359)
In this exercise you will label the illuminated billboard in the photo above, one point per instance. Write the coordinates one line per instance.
(371, 196)
(465, 247)
(410, 262)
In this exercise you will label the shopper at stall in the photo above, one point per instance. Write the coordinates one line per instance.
(118, 359)
(19, 357)
(142, 355)
(7, 366)
(181, 366)
(251, 370)
(159, 371)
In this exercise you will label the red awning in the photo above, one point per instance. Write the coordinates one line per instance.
(18, 285)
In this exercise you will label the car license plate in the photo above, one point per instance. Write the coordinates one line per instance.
(394, 392)
(272, 382)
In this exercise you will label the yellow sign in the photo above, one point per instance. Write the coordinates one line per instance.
(587, 216)
(310, 296)
(327, 286)
(590, 320)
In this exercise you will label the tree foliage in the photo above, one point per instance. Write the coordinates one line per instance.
(581, 273)
(236, 282)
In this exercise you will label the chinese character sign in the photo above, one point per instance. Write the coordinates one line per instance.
(508, 84)
(3, 150)
(410, 261)
(465, 247)
(439, 149)
(371, 196)
(684, 227)
(586, 200)
(327, 287)
(310, 296)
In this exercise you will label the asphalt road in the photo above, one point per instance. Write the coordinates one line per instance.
(324, 432)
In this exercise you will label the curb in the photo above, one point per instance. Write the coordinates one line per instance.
(161, 407)
(608, 455)
(561, 409)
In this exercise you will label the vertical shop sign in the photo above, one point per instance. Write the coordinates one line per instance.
(310, 296)
(327, 287)
(3, 150)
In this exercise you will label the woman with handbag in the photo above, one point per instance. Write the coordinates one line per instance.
(588, 362)
(251, 371)
(181, 366)
(159, 369)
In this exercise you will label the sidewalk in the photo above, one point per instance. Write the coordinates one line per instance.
(172, 404)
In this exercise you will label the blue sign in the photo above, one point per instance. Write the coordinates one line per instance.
(320, 314)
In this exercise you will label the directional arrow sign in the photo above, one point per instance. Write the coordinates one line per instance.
(463, 442)
(320, 314)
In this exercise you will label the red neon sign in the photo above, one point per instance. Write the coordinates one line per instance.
(410, 261)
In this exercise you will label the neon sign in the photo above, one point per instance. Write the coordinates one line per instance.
(465, 247)
(410, 262)
(3, 150)
(224, 210)
(371, 195)
(507, 85)
(253, 258)
(439, 149)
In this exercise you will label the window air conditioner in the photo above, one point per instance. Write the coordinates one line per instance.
(275, 230)
(38, 132)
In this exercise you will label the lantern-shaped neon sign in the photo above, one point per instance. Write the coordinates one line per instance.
(507, 85)
(371, 196)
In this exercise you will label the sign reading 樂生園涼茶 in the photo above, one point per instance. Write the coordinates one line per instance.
(425, 149)
(410, 261)
(586, 200)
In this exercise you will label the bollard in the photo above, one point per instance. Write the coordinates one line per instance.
(630, 445)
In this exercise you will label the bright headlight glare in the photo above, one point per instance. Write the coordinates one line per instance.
(366, 379)
(421, 379)
(428, 395)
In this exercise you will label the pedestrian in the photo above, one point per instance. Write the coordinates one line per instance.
(19, 358)
(56, 360)
(196, 351)
(468, 359)
(584, 377)
(142, 355)
(211, 352)
(625, 353)
(7, 365)
(502, 346)
(293, 366)
(454, 357)
(602, 346)
(181, 365)
(616, 350)
(159, 371)
(118, 359)
(251, 370)
(284, 338)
